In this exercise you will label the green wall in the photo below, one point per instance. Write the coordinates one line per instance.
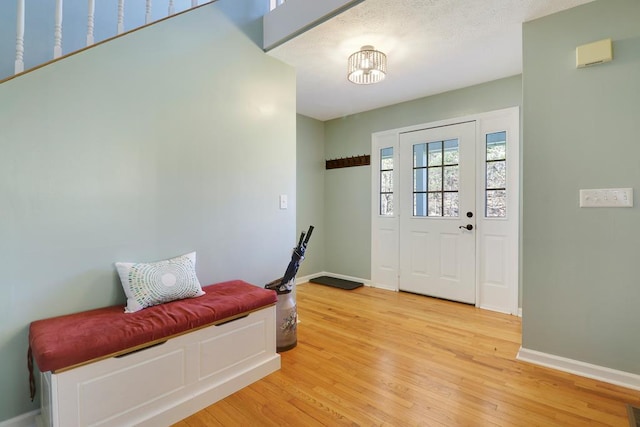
(582, 130)
(347, 214)
(310, 191)
(175, 138)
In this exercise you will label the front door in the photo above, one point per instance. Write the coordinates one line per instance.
(437, 212)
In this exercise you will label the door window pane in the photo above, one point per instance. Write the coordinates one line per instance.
(419, 155)
(435, 204)
(435, 153)
(497, 146)
(435, 179)
(496, 175)
(451, 178)
(451, 152)
(386, 181)
(450, 206)
(496, 203)
(436, 176)
(419, 180)
(420, 204)
(386, 204)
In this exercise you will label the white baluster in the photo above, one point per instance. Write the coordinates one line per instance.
(57, 42)
(91, 16)
(147, 16)
(19, 65)
(194, 3)
(120, 16)
(172, 9)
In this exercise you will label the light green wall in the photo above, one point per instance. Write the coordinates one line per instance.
(310, 191)
(347, 212)
(582, 130)
(175, 138)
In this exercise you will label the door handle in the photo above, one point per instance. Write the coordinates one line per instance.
(467, 227)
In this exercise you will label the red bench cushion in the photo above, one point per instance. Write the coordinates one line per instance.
(71, 340)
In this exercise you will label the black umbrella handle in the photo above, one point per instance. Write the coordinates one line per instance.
(308, 236)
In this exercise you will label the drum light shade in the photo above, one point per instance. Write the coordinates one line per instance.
(367, 66)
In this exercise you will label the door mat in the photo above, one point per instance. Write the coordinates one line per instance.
(336, 283)
(634, 416)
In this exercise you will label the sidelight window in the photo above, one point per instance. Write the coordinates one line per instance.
(386, 181)
(496, 175)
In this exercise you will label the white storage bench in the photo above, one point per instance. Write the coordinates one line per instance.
(157, 366)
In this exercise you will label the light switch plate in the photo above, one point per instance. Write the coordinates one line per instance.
(283, 201)
(607, 198)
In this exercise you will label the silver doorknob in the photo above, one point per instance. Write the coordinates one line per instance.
(467, 227)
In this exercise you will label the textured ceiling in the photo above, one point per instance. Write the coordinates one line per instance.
(433, 46)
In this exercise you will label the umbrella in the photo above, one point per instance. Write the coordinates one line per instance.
(285, 283)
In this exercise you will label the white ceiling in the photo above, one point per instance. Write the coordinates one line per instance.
(432, 46)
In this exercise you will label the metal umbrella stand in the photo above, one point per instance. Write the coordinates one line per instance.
(286, 308)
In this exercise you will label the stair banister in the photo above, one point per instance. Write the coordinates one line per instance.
(19, 64)
(120, 16)
(147, 14)
(91, 19)
(57, 35)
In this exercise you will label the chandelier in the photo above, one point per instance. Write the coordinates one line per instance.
(367, 66)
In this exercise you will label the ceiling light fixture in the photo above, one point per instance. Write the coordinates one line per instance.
(367, 66)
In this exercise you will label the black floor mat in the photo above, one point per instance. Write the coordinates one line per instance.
(336, 283)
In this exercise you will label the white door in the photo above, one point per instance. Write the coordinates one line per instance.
(437, 221)
(423, 251)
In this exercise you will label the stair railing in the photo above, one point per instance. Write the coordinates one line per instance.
(23, 8)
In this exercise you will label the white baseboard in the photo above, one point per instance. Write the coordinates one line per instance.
(600, 373)
(24, 420)
(305, 279)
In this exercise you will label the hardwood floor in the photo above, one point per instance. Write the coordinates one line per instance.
(373, 357)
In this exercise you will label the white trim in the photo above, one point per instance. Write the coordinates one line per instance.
(519, 311)
(24, 420)
(305, 279)
(600, 373)
(447, 122)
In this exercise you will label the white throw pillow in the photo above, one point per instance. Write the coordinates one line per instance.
(147, 284)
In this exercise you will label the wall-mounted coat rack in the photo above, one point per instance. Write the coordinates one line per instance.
(347, 162)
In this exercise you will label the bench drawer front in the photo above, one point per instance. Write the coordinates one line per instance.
(111, 395)
(232, 349)
(146, 384)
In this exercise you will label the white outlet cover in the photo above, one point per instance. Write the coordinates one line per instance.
(606, 198)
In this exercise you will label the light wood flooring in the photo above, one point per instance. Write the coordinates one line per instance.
(372, 357)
